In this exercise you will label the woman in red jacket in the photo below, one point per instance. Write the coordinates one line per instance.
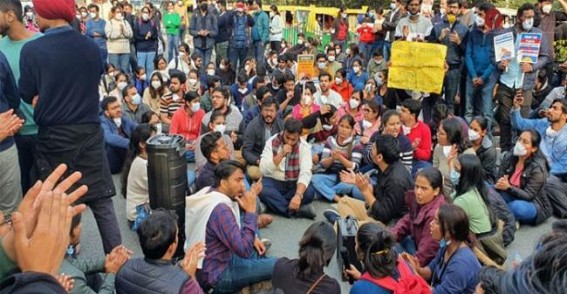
(412, 230)
(366, 35)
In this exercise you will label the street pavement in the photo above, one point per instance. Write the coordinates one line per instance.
(284, 234)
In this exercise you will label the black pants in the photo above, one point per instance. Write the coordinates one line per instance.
(26, 157)
(105, 216)
(505, 96)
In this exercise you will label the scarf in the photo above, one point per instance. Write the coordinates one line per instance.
(292, 160)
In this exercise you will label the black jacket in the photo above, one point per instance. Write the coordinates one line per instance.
(487, 154)
(532, 183)
(254, 138)
(392, 186)
(142, 275)
(31, 282)
(503, 213)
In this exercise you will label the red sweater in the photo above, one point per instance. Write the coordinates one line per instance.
(345, 89)
(422, 132)
(366, 34)
(184, 125)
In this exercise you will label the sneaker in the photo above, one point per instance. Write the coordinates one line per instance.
(306, 211)
(331, 215)
(267, 244)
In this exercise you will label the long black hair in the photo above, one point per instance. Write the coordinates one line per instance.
(141, 134)
(316, 249)
(472, 176)
(375, 248)
(455, 134)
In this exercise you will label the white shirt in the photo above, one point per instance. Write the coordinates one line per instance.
(137, 191)
(270, 170)
(332, 98)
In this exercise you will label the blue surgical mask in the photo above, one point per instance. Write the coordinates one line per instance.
(137, 99)
(454, 177)
(443, 243)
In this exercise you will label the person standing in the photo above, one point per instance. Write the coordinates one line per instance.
(389, 26)
(172, 23)
(260, 31)
(95, 30)
(181, 9)
(340, 28)
(16, 36)
(67, 106)
(276, 29)
(204, 29)
(221, 40)
(240, 38)
(118, 32)
(146, 35)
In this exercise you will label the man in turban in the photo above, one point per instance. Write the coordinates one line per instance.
(60, 73)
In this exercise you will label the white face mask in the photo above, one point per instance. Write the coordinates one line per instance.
(379, 81)
(473, 135)
(92, 15)
(406, 130)
(29, 14)
(156, 84)
(222, 67)
(243, 90)
(210, 72)
(145, 16)
(546, 8)
(175, 97)
(119, 16)
(366, 124)
(442, 11)
(192, 82)
(338, 81)
(338, 51)
(479, 21)
(322, 65)
(84, 14)
(520, 150)
(528, 24)
(327, 127)
(118, 121)
(393, 6)
(143, 77)
(122, 85)
(307, 99)
(353, 103)
(137, 99)
(447, 150)
(247, 68)
(300, 41)
(356, 69)
(348, 51)
(331, 58)
(195, 107)
(220, 128)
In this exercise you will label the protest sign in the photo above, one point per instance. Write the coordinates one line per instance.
(305, 66)
(504, 47)
(417, 66)
(528, 51)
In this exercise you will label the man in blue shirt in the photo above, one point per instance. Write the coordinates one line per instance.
(95, 30)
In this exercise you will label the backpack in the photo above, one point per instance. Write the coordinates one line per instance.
(408, 282)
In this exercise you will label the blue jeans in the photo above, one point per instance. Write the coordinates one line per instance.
(366, 50)
(172, 44)
(190, 156)
(479, 101)
(191, 177)
(242, 272)
(418, 165)
(277, 195)
(104, 57)
(121, 61)
(326, 185)
(387, 50)
(406, 245)
(146, 60)
(524, 211)
(206, 54)
(237, 55)
(259, 48)
(377, 46)
(451, 87)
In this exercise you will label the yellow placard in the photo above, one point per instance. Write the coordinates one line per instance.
(305, 66)
(417, 66)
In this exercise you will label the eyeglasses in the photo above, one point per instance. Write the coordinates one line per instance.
(366, 110)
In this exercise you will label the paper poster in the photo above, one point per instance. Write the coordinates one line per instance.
(305, 66)
(417, 66)
(504, 47)
(529, 47)
(427, 7)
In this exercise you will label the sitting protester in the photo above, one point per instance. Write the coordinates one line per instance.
(385, 201)
(105, 269)
(353, 107)
(233, 117)
(521, 180)
(340, 153)
(306, 105)
(483, 146)
(186, 122)
(370, 125)
(384, 270)
(117, 133)
(412, 230)
(155, 272)
(132, 107)
(235, 255)
(216, 124)
(342, 86)
(260, 129)
(135, 173)
(455, 268)
(286, 165)
(306, 274)
(418, 134)
(215, 150)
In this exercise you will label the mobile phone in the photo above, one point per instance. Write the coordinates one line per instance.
(346, 264)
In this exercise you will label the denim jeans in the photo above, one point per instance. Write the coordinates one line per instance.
(451, 87)
(524, 211)
(418, 165)
(259, 49)
(387, 50)
(104, 57)
(366, 50)
(221, 51)
(146, 60)
(191, 177)
(277, 195)
(479, 101)
(133, 60)
(326, 185)
(237, 57)
(172, 44)
(121, 61)
(206, 54)
(406, 245)
(242, 272)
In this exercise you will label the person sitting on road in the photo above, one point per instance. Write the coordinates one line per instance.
(117, 132)
(216, 124)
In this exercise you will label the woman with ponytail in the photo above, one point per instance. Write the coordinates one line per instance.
(306, 274)
(384, 271)
(135, 172)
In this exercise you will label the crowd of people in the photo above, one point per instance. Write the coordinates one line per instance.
(436, 193)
